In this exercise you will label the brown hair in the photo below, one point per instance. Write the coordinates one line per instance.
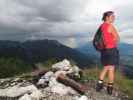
(106, 14)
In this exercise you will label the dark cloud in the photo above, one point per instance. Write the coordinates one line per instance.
(66, 20)
(55, 11)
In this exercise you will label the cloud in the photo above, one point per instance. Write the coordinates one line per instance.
(64, 20)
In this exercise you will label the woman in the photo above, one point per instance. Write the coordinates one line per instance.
(110, 55)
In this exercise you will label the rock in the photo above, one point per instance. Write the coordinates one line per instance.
(16, 91)
(58, 73)
(41, 81)
(36, 95)
(52, 82)
(28, 93)
(75, 73)
(75, 69)
(45, 78)
(59, 88)
(48, 75)
(25, 97)
(63, 65)
(83, 97)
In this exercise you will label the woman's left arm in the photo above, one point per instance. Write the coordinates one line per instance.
(114, 32)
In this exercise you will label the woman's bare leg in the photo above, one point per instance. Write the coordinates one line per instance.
(111, 73)
(103, 73)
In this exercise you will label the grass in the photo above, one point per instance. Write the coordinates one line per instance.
(13, 66)
(123, 83)
(10, 67)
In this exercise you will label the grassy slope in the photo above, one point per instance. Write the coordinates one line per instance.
(121, 82)
(13, 66)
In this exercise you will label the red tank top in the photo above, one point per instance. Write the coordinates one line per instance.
(108, 38)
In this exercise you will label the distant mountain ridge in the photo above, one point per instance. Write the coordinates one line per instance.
(124, 48)
(34, 51)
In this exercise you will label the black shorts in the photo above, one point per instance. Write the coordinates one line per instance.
(110, 57)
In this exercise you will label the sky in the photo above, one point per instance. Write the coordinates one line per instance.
(71, 22)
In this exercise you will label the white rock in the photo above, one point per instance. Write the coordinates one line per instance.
(75, 98)
(36, 95)
(17, 90)
(63, 65)
(70, 71)
(71, 91)
(60, 88)
(83, 97)
(25, 97)
(52, 82)
(29, 88)
(75, 69)
(41, 81)
(48, 75)
(45, 78)
(58, 73)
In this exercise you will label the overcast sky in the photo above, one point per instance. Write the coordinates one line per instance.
(72, 22)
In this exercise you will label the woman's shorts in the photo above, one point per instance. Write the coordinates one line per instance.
(110, 57)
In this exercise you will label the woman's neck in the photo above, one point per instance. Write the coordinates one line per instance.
(107, 22)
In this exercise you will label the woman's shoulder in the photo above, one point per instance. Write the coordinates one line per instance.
(108, 26)
(104, 25)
